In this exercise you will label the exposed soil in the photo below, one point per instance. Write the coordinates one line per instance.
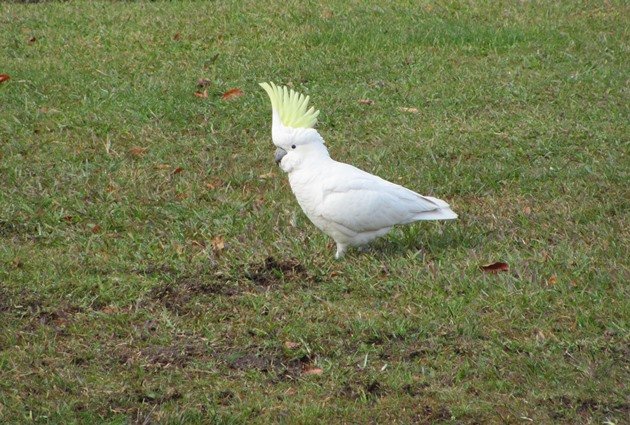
(561, 407)
(284, 368)
(274, 272)
(177, 294)
(370, 389)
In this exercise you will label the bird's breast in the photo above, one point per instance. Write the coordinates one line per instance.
(307, 190)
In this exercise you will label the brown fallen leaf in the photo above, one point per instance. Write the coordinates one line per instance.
(232, 93)
(411, 110)
(218, 243)
(177, 36)
(67, 218)
(213, 184)
(552, 280)
(203, 82)
(198, 244)
(181, 196)
(312, 371)
(527, 210)
(110, 309)
(178, 170)
(4, 77)
(45, 110)
(138, 151)
(496, 267)
(291, 345)
(266, 175)
(366, 101)
(96, 229)
(201, 94)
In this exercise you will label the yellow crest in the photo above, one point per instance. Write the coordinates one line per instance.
(291, 106)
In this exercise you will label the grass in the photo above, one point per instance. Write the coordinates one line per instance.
(155, 266)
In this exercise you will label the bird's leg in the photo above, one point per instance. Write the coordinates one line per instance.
(341, 249)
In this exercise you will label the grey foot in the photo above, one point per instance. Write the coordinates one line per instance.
(341, 250)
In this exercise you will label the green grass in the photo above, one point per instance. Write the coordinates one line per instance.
(118, 305)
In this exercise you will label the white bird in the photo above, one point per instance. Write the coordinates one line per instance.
(350, 205)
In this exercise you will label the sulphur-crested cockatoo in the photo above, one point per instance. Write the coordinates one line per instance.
(349, 205)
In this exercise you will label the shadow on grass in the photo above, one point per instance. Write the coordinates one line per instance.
(433, 239)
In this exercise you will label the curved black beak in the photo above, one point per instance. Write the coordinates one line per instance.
(280, 153)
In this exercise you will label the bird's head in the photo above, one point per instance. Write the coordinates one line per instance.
(292, 127)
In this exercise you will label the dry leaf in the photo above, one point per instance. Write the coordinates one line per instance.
(552, 280)
(4, 77)
(527, 210)
(181, 196)
(292, 345)
(32, 40)
(138, 151)
(198, 244)
(96, 229)
(218, 243)
(201, 94)
(203, 82)
(266, 176)
(312, 371)
(45, 110)
(213, 184)
(496, 267)
(412, 110)
(178, 170)
(232, 93)
(177, 36)
(109, 309)
(67, 218)
(366, 101)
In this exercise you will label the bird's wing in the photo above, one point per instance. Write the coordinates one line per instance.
(364, 202)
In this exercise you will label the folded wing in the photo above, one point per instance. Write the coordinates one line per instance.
(362, 202)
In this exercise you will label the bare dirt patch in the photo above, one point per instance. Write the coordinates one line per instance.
(176, 295)
(563, 407)
(274, 272)
(370, 390)
(178, 354)
(282, 367)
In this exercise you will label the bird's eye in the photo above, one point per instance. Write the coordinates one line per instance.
(292, 146)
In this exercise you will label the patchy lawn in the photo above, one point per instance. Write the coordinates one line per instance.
(155, 267)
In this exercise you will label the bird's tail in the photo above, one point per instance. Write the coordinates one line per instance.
(442, 212)
(439, 214)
